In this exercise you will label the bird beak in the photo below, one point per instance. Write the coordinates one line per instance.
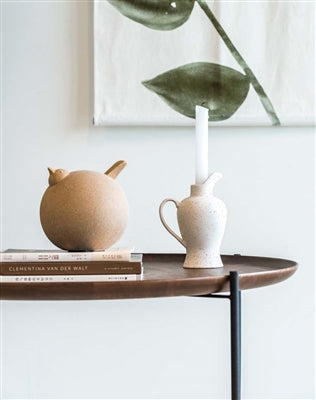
(51, 170)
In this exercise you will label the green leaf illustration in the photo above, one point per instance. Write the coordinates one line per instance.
(156, 14)
(220, 89)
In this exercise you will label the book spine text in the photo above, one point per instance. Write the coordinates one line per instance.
(115, 254)
(67, 278)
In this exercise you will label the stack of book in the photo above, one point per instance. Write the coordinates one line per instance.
(117, 264)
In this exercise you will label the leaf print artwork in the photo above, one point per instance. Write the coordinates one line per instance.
(220, 89)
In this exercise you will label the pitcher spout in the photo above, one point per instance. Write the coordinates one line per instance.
(207, 187)
(211, 181)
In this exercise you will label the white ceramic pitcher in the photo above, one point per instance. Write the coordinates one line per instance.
(202, 220)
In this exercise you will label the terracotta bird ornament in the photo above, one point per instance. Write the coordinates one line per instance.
(84, 210)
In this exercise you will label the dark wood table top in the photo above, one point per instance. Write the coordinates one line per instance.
(164, 276)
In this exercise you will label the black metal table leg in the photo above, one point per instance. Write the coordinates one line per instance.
(235, 327)
(235, 331)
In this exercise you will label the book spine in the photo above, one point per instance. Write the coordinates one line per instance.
(68, 278)
(115, 254)
(72, 268)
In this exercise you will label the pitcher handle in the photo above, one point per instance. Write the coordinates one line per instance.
(164, 223)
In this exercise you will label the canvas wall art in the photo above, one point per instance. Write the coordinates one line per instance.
(249, 63)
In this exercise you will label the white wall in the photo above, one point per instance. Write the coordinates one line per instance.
(158, 348)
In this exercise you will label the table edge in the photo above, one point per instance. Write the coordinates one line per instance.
(150, 288)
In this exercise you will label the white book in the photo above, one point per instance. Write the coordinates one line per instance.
(68, 278)
(116, 253)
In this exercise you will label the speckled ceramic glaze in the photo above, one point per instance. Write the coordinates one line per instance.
(84, 210)
(202, 220)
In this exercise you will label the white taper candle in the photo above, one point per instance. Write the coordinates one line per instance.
(201, 144)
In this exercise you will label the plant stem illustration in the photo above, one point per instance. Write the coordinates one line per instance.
(253, 80)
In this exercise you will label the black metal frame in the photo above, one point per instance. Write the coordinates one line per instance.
(235, 331)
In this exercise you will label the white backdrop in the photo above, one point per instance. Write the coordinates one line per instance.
(159, 348)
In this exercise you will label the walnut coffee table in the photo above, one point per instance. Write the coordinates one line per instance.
(164, 276)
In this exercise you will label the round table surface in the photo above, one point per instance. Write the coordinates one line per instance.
(163, 276)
